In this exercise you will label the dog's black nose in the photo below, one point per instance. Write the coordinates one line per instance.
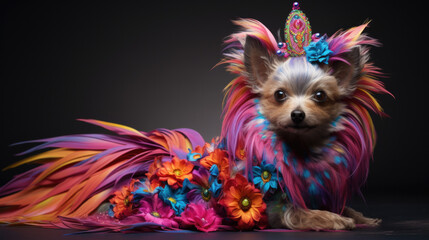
(297, 116)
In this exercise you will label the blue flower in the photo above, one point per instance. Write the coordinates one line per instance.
(214, 171)
(192, 157)
(141, 189)
(205, 187)
(265, 177)
(318, 51)
(175, 198)
(215, 186)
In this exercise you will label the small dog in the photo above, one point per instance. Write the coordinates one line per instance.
(295, 145)
(300, 100)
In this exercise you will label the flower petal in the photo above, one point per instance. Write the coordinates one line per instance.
(257, 180)
(234, 192)
(257, 170)
(246, 217)
(256, 215)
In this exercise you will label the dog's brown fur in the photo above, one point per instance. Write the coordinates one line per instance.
(308, 219)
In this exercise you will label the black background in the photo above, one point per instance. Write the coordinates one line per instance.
(148, 65)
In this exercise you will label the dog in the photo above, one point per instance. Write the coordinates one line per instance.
(295, 145)
(300, 100)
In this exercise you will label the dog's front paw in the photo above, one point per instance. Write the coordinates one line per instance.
(317, 220)
(370, 222)
(343, 223)
(361, 219)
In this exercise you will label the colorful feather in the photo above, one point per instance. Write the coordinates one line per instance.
(84, 170)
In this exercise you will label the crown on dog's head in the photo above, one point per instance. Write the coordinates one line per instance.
(297, 34)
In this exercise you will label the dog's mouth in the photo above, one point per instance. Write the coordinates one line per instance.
(299, 127)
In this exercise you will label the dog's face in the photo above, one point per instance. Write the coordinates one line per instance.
(300, 99)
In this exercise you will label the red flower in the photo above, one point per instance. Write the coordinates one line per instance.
(243, 202)
(176, 171)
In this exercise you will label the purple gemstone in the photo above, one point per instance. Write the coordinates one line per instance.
(315, 37)
(295, 6)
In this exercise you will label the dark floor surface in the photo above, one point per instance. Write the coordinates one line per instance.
(404, 217)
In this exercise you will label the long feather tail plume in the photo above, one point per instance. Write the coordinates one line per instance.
(82, 171)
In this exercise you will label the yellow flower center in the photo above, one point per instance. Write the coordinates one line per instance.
(266, 176)
(205, 193)
(177, 172)
(126, 201)
(172, 200)
(245, 204)
(155, 214)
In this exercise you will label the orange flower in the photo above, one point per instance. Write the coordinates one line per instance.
(157, 163)
(200, 149)
(220, 158)
(176, 171)
(123, 201)
(151, 174)
(243, 202)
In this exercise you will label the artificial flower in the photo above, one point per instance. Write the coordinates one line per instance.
(193, 156)
(219, 158)
(265, 177)
(152, 209)
(201, 149)
(176, 171)
(123, 201)
(205, 187)
(199, 152)
(196, 215)
(243, 202)
(142, 189)
(154, 166)
(318, 51)
(175, 198)
(151, 174)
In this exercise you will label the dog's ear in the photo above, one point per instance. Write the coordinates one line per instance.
(257, 61)
(348, 74)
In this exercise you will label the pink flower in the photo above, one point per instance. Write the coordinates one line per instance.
(203, 219)
(156, 211)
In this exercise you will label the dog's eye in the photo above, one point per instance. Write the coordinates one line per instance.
(280, 95)
(319, 96)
